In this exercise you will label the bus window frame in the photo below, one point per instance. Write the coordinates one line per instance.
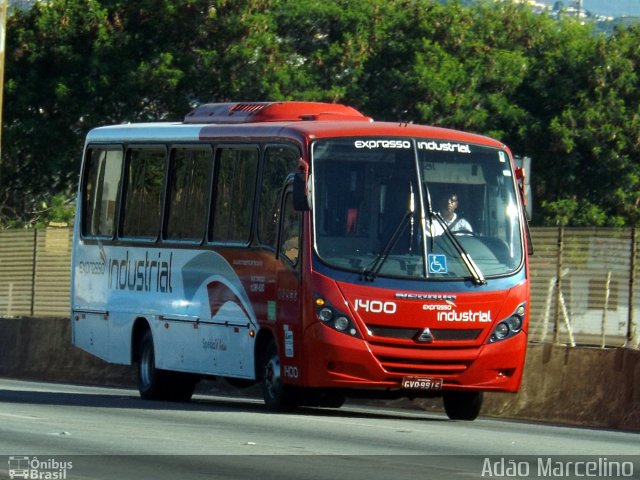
(137, 240)
(286, 194)
(217, 148)
(295, 147)
(209, 200)
(88, 151)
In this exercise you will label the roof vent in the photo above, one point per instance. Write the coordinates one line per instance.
(249, 107)
(255, 112)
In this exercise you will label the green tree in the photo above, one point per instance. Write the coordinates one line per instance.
(600, 131)
(449, 65)
(552, 90)
(326, 46)
(76, 64)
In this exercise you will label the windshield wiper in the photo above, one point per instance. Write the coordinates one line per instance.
(369, 274)
(474, 270)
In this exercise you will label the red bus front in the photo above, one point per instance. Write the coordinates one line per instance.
(415, 271)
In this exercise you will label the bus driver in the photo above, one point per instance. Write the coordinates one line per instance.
(451, 218)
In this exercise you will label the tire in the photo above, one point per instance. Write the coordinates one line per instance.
(180, 386)
(157, 384)
(462, 405)
(150, 380)
(277, 397)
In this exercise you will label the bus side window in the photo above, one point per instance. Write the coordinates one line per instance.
(100, 191)
(188, 193)
(290, 235)
(236, 172)
(278, 163)
(143, 196)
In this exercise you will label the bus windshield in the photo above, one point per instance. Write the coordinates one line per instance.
(415, 208)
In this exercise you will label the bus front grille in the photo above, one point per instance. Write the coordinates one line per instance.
(439, 334)
(422, 361)
(424, 367)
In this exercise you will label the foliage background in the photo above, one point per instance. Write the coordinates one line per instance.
(553, 90)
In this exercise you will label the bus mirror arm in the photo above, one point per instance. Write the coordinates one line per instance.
(520, 174)
(300, 190)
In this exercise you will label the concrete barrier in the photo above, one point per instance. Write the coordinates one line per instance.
(579, 386)
(40, 349)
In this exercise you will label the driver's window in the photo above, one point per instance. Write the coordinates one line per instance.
(290, 234)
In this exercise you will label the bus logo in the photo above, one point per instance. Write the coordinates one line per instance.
(26, 467)
(425, 336)
(19, 467)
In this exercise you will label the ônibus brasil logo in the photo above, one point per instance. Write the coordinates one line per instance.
(35, 468)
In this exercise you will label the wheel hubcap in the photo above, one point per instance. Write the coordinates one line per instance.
(146, 367)
(272, 376)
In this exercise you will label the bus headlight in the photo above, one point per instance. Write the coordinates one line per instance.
(341, 324)
(501, 331)
(509, 326)
(325, 314)
(334, 318)
(515, 323)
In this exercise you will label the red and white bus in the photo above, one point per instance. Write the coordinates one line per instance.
(305, 246)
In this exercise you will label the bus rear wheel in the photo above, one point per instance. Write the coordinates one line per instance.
(277, 396)
(157, 384)
(462, 405)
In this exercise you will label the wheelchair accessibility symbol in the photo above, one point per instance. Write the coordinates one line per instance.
(437, 263)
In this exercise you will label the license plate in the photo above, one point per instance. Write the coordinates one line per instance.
(422, 383)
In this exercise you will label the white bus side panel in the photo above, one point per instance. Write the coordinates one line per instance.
(193, 301)
(90, 332)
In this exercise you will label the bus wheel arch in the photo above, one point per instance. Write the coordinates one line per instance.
(140, 327)
(263, 339)
(155, 383)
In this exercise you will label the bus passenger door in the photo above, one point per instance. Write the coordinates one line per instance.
(288, 314)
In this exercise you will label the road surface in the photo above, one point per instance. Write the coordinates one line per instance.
(77, 432)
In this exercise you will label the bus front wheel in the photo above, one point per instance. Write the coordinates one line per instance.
(277, 397)
(462, 405)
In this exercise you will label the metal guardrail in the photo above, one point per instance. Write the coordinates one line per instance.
(583, 282)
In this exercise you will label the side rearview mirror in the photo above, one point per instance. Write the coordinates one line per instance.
(520, 179)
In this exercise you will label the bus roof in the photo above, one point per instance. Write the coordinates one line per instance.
(258, 112)
(293, 121)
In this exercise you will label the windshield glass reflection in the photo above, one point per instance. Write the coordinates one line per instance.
(375, 202)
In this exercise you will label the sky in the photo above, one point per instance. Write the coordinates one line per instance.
(615, 8)
(612, 8)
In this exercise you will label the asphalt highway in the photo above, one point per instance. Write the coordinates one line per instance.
(77, 432)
